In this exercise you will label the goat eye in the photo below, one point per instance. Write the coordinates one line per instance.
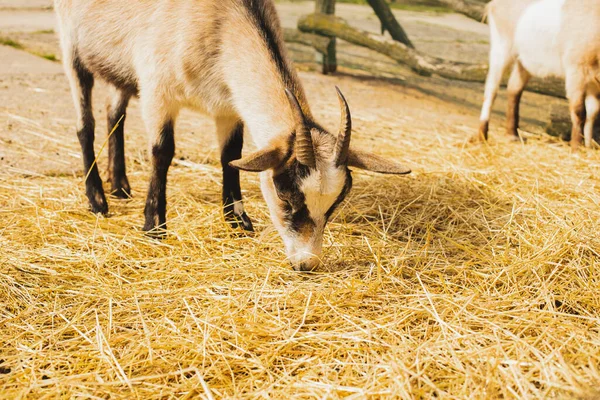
(289, 205)
(286, 199)
(284, 196)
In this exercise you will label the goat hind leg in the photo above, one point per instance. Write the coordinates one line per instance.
(592, 109)
(576, 93)
(516, 84)
(116, 112)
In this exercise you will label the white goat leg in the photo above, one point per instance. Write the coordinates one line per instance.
(499, 60)
(592, 108)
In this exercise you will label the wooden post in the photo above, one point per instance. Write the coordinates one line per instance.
(389, 22)
(329, 59)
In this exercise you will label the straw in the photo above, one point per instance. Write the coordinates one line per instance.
(475, 277)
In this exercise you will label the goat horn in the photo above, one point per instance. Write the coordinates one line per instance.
(305, 152)
(342, 146)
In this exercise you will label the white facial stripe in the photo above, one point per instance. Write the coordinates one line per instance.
(296, 249)
(302, 249)
(321, 189)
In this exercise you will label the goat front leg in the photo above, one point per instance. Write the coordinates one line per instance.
(230, 132)
(160, 125)
(82, 83)
(499, 58)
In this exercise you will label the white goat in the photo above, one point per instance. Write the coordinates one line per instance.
(225, 58)
(545, 38)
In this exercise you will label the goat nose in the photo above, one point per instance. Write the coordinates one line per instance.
(307, 266)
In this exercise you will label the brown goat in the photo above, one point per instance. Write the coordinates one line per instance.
(225, 58)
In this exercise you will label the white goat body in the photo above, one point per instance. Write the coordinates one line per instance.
(545, 38)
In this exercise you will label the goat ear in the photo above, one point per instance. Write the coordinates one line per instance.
(259, 161)
(371, 162)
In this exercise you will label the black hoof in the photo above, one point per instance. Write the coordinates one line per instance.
(239, 221)
(246, 223)
(120, 188)
(517, 139)
(306, 267)
(121, 193)
(98, 204)
(158, 233)
(155, 227)
(482, 134)
(99, 208)
(477, 138)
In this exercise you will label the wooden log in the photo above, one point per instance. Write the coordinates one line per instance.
(421, 63)
(329, 58)
(319, 43)
(474, 9)
(389, 22)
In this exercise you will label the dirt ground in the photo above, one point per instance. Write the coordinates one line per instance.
(30, 85)
(475, 223)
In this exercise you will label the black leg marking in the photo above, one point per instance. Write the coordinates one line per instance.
(156, 202)
(116, 147)
(93, 183)
(232, 193)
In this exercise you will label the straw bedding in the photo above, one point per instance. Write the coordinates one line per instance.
(477, 276)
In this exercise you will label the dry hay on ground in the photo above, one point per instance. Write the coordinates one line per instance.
(477, 276)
